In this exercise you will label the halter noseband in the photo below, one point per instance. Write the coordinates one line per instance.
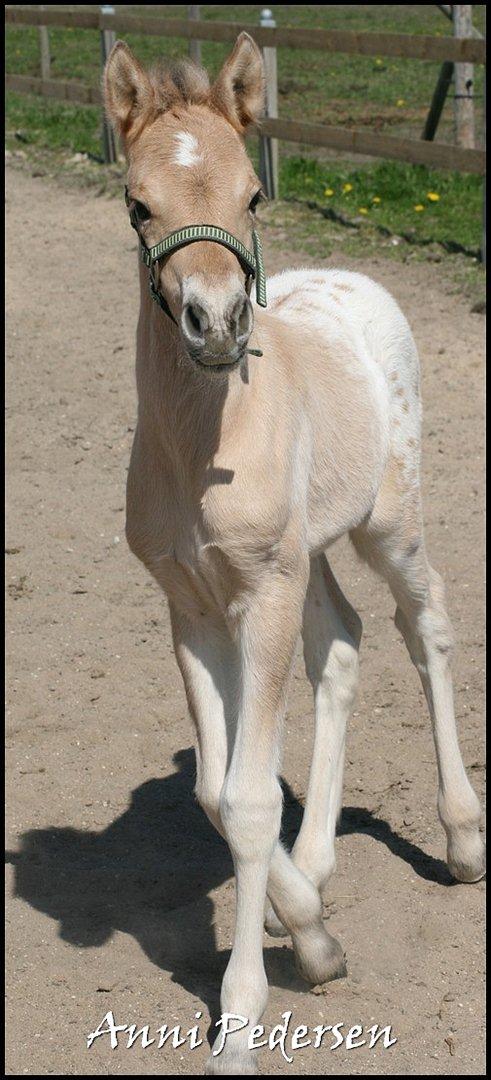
(250, 261)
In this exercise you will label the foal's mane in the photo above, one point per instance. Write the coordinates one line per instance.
(178, 82)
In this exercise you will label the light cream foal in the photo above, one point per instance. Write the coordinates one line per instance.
(243, 471)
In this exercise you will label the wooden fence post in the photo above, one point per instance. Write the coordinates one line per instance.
(108, 37)
(447, 10)
(44, 49)
(464, 80)
(268, 147)
(194, 46)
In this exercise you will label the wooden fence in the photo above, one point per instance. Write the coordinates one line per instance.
(408, 46)
(445, 50)
(421, 47)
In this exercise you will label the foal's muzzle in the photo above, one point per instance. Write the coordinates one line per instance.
(216, 335)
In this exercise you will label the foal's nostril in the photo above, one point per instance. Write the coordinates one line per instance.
(194, 321)
(242, 316)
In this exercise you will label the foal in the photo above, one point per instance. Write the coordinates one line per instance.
(244, 470)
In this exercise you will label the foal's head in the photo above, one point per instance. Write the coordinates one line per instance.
(187, 165)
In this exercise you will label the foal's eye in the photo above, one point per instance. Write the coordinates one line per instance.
(255, 200)
(142, 212)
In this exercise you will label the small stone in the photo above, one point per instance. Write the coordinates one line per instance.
(450, 1041)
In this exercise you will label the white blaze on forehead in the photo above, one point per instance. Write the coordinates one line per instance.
(187, 149)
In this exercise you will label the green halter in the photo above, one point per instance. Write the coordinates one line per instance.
(251, 262)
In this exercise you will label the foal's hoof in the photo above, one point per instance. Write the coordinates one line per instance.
(319, 958)
(466, 857)
(272, 924)
(231, 1064)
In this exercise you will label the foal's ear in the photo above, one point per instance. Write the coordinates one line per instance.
(128, 92)
(238, 92)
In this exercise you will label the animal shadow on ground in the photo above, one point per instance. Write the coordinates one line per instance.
(150, 872)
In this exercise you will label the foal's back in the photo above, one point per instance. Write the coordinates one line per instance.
(351, 308)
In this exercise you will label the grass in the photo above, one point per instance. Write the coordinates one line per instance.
(422, 204)
(326, 88)
(39, 123)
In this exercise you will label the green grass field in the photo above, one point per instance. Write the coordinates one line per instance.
(384, 95)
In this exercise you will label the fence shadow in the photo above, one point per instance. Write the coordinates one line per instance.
(150, 874)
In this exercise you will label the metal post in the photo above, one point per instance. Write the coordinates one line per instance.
(438, 100)
(44, 49)
(268, 147)
(194, 46)
(108, 38)
(464, 80)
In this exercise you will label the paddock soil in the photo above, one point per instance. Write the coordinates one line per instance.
(120, 896)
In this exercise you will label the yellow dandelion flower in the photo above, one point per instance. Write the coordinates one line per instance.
(433, 196)
(347, 187)
(401, 101)
(419, 207)
(329, 192)
(376, 198)
(378, 61)
(362, 210)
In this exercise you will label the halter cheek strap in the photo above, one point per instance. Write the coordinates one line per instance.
(251, 261)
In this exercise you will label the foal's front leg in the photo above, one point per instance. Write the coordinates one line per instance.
(209, 660)
(250, 802)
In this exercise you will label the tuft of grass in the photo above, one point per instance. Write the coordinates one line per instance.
(386, 194)
(39, 122)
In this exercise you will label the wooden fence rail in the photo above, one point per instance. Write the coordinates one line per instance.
(73, 91)
(415, 151)
(407, 46)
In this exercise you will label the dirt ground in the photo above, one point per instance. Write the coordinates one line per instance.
(120, 896)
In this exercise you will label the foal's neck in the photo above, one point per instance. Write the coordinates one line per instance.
(186, 412)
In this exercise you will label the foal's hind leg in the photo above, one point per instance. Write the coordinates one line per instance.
(395, 548)
(331, 634)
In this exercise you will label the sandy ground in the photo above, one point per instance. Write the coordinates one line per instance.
(120, 896)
